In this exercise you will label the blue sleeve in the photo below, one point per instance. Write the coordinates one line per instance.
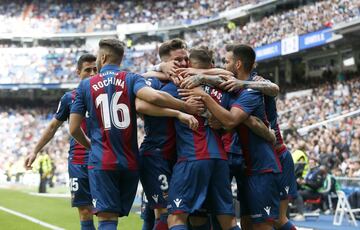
(153, 83)
(63, 110)
(79, 105)
(249, 100)
(139, 83)
(171, 89)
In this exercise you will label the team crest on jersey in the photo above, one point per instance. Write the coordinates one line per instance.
(267, 210)
(177, 202)
(155, 198)
(94, 202)
(287, 189)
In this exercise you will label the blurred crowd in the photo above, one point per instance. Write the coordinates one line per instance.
(302, 20)
(53, 65)
(322, 103)
(38, 65)
(335, 145)
(91, 16)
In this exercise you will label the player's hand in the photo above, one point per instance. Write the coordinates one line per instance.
(190, 120)
(227, 77)
(194, 105)
(232, 85)
(214, 123)
(272, 137)
(191, 82)
(187, 72)
(169, 68)
(185, 94)
(176, 79)
(259, 78)
(29, 160)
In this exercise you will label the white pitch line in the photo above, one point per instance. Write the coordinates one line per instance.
(29, 218)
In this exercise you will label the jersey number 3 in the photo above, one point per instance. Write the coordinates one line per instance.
(117, 114)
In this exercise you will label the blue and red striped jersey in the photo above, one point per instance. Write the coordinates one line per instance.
(159, 137)
(109, 98)
(204, 143)
(77, 153)
(272, 115)
(231, 142)
(258, 153)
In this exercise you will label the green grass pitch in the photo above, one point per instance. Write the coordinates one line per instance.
(54, 211)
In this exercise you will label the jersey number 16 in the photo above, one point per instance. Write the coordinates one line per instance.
(110, 112)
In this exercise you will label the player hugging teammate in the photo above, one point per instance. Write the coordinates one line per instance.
(203, 126)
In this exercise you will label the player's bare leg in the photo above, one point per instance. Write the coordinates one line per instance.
(199, 222)
(246, 223)
(227, 222)
(161, 218)
(283, 223)
(178, 220)
(86, 218)
(263, 226)
(85, 213)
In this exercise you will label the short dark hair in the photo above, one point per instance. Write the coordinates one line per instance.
(114, 47)
(244, 53)
(85, 58)
(203, 55)
(171, 45)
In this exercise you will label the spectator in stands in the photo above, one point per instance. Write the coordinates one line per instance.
(354, 167)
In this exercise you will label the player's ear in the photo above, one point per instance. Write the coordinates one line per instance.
(78, 71)
(103, 59)
(238, 64)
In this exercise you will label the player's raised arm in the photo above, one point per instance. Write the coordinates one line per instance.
(153, 110)
(163, 99)
(231, 84)
(229, 119)
(187, 72)
(265, 87)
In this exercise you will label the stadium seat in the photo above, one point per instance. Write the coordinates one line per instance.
(343, 207)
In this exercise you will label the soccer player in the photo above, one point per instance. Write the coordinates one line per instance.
(78, 155)
(201, 172)
(109, 99)
(261, 162)
(158, 150)
(286, 179)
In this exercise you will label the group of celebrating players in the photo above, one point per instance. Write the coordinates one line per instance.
(203, 126)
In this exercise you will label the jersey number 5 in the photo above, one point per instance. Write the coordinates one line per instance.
(110, 112)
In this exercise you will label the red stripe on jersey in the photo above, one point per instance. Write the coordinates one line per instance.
(244, 138)
(126, 134)
(227, 140)
(219, 143)
(108, 160)
(200, 142)
(79, 151)
(169, 148)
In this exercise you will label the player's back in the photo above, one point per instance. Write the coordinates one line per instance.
(110, 100)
